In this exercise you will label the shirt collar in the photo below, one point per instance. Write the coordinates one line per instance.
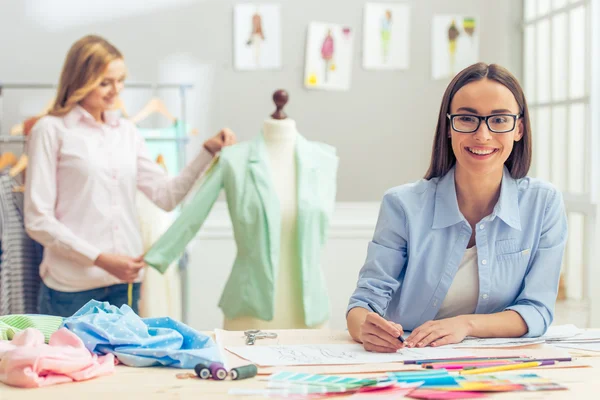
(446, 212)
(78, 114)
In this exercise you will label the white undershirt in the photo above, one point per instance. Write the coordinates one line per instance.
(464, 291)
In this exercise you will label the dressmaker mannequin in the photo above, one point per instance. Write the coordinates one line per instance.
(280, 190)
(280, 134)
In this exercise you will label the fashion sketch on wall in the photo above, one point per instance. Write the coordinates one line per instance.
(386, 36)
(455, 44)
(328, 57)
(257, 36)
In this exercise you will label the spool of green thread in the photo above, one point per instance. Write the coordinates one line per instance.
(247, 371)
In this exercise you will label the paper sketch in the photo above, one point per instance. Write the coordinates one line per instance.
(334, 354)
(386, 37)
(257, 36)
(554, 334)
(328, 57)
(455, 44)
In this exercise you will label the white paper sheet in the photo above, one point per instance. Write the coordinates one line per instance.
(335, 354)
(554, 333)
(498, 342)
(594, 346)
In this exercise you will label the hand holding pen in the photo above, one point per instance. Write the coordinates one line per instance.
(379, 334)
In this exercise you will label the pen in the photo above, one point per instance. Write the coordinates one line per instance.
(505, 367)
(381, 315)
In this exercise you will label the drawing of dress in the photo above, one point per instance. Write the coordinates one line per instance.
(256, 37)
(386, 35)
(327, 50)
(469, 27)
(452, 36)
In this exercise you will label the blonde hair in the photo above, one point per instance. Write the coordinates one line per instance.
(82, 71)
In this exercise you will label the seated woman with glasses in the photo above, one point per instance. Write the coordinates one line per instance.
(475, 248)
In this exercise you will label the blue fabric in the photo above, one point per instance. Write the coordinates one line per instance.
(421, 237)
(138, 342)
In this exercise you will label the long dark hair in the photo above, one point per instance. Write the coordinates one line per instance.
(442, 155)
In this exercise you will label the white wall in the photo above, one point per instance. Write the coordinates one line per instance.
(382, 127)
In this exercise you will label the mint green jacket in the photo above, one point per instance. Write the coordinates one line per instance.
(243, 171)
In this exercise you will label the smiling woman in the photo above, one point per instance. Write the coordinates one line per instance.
(475, 248)
(86, 166)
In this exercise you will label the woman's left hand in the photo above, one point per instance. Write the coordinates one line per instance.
(440, 332)
(224, 138)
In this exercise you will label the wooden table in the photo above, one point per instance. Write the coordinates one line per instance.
(161, 383)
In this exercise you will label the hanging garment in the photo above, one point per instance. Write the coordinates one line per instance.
(27, 362)
(160, 293)
(243, 171)
(138, 342)
(21, 256)
(10, 325)
(160, 141)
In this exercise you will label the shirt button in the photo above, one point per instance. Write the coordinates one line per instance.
(435, 303)
(481, 226)
(484, 262)
(485, 296)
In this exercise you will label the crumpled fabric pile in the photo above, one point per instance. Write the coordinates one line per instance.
(28, 362)
(140, 342)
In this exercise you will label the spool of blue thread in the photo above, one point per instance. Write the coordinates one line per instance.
(218, 371)
(247, 371)
(202, 371)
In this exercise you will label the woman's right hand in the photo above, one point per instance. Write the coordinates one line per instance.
(123, 267)
(374, 332)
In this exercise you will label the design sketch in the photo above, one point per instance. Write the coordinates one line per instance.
(328, 57)
(455, 44)
(257, 36)
(386, 36)
(333, 354)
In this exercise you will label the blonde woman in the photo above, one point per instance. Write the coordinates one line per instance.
(86, 165)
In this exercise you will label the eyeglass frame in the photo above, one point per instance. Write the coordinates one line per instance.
(484, 118)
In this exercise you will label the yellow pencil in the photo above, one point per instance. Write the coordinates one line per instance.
(501, 368)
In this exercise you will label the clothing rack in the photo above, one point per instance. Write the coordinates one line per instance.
(182, 87)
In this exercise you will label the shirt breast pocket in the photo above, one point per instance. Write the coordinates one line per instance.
(510, 252)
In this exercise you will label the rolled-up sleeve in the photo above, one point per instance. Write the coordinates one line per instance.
(386, 257)
(40, 198)
(535, 303)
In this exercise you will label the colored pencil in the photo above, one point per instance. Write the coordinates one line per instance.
(509, 367)
(469, 365)
(435, 360)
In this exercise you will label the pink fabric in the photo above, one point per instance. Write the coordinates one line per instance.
(28, 362)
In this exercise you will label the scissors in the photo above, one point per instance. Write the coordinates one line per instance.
(253, 334)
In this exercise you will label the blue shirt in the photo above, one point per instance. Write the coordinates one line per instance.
(421, 236)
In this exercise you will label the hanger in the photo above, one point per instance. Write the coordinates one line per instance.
(160, 160)
(19, 128)
(7, 159)
(16, 170)
(19, 166)
(119, 105)
(155, 105)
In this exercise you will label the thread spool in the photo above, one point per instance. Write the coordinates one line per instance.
(202, 370)
(247, 371)
(217, 371)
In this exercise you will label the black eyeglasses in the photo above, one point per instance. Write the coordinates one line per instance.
(497, 123)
